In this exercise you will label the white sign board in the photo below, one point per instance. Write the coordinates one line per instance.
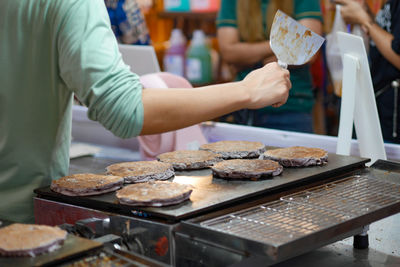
(358, 102)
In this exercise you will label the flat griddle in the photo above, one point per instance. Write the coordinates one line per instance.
(210, 193)
(73, 246)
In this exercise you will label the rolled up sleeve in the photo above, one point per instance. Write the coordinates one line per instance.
(309, 9)
(91, 66)
(227, 14)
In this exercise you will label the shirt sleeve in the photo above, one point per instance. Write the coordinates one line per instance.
(90, 64)
(307, 9)
(227, 14)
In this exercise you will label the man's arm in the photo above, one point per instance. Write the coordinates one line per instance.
(166, 110)
(234, 51)
(383, 41)
(246, 54)
(354, 13)
(91, 66)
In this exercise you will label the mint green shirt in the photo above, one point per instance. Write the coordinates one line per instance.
(301, 97)
(49, 51)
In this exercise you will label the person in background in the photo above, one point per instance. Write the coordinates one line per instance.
(53, 50)
(127, 22)
(384, 52)
(243, 37)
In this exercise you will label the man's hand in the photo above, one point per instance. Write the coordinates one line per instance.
(267, 86)
(354, 12)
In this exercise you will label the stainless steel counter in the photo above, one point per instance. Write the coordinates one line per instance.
(384, 238)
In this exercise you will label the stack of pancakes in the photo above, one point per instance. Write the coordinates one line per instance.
(190, 159)
(297, 156)
(86, 184)
(235, 149)
(155, 194)
(141, 171)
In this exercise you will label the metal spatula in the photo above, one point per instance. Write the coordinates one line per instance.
(291, 42)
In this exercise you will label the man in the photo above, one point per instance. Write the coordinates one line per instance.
(52, 49)
(384, 33)
(243, 36)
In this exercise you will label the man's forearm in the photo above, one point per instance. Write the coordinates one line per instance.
(246, 54)
(166, 110)
(383, 41)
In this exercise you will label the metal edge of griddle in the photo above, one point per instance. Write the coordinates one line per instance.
(106, 207)
(324, 236)
(247, 247)
(46, 193)
(386, 165)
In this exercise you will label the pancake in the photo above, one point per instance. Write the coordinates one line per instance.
(154, 194)
(190, 159)
(246, 169)
(29, 240)
(86, 184)
(235, 149)
(141, 171)
(297, 156)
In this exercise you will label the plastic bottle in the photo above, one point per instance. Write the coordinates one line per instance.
(198, 60)
(174, 59)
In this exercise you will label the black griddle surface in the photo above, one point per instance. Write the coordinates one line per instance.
(209, 192)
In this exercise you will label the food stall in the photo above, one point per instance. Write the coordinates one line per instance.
(232, 222)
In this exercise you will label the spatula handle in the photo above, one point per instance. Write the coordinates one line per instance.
(282, 64)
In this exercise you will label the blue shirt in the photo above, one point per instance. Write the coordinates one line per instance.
(128, 22)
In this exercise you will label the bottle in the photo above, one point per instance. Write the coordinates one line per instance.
(198, 60)
(174, 59)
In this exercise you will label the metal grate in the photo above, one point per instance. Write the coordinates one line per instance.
(110, 258)
(308, 211)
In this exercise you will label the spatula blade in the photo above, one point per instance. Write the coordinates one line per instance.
(291, 42)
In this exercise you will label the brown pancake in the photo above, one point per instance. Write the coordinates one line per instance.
(246, 168)
(141, 171)
(155, 194)
(190, 159)
(86, 184)
(235, 149)
(29, 239)
(297, 156)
